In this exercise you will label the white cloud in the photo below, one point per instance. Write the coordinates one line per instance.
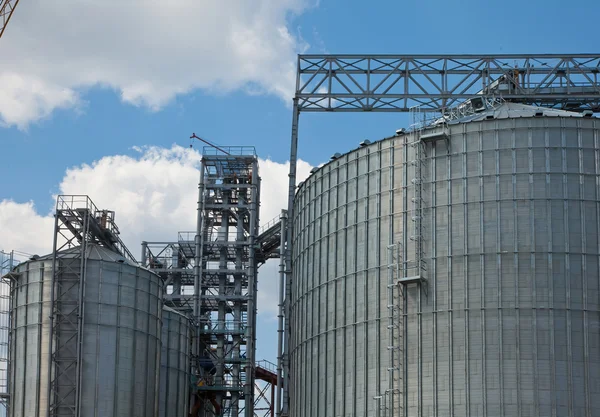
(147, 50)
(154, 195)
(22, 227)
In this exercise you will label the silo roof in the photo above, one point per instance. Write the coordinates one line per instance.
(514, 110)
(506, 110)
(93, 251)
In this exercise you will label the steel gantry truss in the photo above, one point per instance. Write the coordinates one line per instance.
(443, 84)
(7, 8)
(78, 223)
(435, 83)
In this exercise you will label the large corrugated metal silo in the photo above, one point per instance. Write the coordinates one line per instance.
(507, 323)
(120, 337)
(174, 392)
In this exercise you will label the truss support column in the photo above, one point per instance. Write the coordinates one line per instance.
(226, 278)
(288, 256)
(252, 292)
(7, 286)
(51, 329)
(280, 314)
(223, 278)
(80, 316)
(198, 262)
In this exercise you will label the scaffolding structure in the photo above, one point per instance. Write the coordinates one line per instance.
(174, 261)
(266, 386)
(225, 268)
(7, 263)
(78, 223)
(219, 308)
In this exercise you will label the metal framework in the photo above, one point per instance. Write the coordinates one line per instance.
(175, 262)
(7, 262)
(78, 223)
(7, 8)
(225, 279)
(441, 84)
(436, 83)
(266, 385)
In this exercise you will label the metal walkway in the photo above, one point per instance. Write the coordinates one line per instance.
(269, 240)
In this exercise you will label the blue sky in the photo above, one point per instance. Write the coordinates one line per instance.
(34, 160)
(35, 155)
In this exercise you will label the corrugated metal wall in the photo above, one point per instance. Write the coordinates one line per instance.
(509, 325)
(343, 220)
(174, 394)
(120, 344)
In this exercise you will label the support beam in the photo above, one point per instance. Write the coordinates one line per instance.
(393, 83)
(7, 8)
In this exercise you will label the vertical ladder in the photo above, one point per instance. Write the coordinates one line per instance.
(413, 269)
(393, 399)
(78, 223)
(68, 284)
(406, 265)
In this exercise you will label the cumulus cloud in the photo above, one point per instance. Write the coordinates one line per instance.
(23, 228)
(154, 194)
(148, 51)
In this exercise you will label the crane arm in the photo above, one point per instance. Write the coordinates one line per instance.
(7, 7)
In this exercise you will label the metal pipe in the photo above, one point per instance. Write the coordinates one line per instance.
(10, 354)
(283, 221)
(197, 262)
(237, 307)
(51, 330)
(223, 235)
(80, 313)
(252, 269)
(144, 258)
(288, 253)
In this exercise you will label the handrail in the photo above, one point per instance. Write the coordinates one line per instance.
(269, 224)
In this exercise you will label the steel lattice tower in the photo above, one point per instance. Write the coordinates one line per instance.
(226, 276)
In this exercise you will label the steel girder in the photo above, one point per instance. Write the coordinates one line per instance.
(392, 83)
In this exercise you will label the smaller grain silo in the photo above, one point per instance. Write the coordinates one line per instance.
(174, 365)
(102, 322)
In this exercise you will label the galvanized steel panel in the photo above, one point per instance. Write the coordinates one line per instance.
(510, 322)
(174, 365)
(120, 344)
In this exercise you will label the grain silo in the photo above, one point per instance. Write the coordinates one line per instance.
(175, 364)
(106, 357)
(452, 270)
